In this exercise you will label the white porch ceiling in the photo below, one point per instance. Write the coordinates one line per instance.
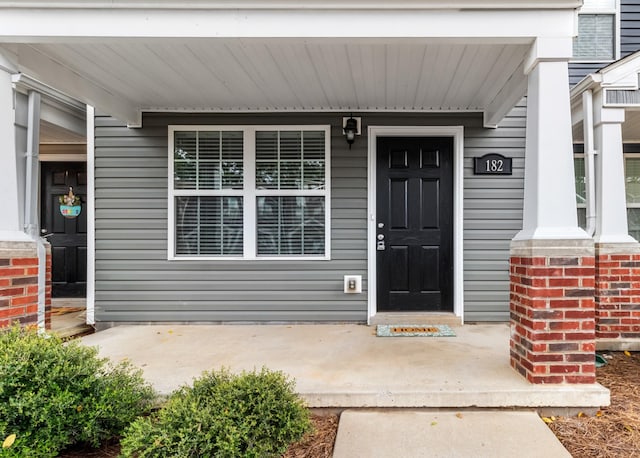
(238, 75)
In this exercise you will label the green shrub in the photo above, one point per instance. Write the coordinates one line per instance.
(255, 414)
(53, 394)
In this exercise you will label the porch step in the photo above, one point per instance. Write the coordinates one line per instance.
(416, 318)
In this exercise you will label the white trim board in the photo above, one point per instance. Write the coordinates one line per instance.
(91, 221)
(457, 132)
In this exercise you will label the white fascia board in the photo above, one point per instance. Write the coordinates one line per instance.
(297, 4)
(93, 25)
(56, 75)
(590, 82)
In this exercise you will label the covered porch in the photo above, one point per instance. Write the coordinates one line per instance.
(127, 58)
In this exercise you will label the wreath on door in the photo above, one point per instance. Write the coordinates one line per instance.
(70, 204)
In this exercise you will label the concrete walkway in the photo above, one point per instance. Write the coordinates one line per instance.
(346, 366)
(487, 434)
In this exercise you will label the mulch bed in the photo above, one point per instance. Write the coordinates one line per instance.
(318, 444)
(614, 432)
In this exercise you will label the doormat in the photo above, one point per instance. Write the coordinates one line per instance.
(411, 330)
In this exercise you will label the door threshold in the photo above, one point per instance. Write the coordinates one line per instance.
(415, 318)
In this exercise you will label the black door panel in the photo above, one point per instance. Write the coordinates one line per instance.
(68, 236)
(415, 224)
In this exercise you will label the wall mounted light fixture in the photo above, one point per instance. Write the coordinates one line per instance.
(351, 128)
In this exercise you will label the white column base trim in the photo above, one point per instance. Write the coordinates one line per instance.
(15, 236)
(618, 238)
(552, 233)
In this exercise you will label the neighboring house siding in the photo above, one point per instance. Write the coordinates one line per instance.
(136, 282)
(629, 27)
(578, 70)
(629, 41)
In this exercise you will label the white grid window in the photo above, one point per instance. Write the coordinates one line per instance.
(249, 192)
(597, 37)
(632, 187)
(581, 190)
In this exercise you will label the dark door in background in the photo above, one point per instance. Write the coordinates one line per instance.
(414, 224)
(68, 237)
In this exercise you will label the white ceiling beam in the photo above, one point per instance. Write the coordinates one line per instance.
(72, 25)
(508, 96)
(62, 118)
(54, 74)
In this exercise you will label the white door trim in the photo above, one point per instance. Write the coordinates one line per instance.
(91, 217)
(457, 132)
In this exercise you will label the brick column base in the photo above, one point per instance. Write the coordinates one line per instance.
(552, 310)
(617, 296)
(18, 283)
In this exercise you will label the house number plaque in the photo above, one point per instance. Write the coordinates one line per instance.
(492, 164)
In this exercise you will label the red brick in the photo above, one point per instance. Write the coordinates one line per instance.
(621, 257)
(557, 282)
(11, 312)
(546, 271)
(24, 262)
(8, 292)
(544, 357)
(564, 325)
(24, 300)
(578, 335)
(12, 272)
(578, 271)
(564, 369)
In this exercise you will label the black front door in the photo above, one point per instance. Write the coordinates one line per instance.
(414, 224)
(68, 236)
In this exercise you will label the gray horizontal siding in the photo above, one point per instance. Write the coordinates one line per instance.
(492, 216)
(136, 282)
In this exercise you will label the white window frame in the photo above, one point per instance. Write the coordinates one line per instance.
(627, 203)
(615, 11)
(249, 193)
(580, 205)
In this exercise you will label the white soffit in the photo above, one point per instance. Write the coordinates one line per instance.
(276, 75)
(420, 55)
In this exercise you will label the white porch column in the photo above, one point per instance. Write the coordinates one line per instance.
(611, 207)
(12, 195)
(549, 195)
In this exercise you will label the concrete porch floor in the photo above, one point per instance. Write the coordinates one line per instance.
(347, 366)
